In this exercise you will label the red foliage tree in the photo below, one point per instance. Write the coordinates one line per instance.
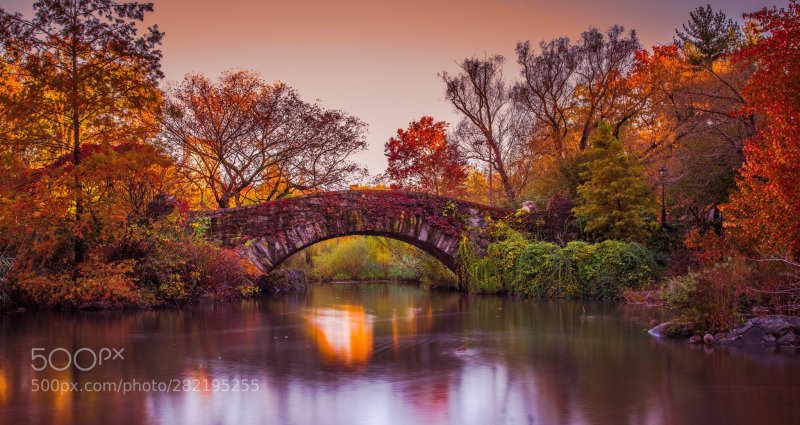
(422, 158)
(763, 212)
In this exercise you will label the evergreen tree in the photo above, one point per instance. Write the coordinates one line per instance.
(708, 35)
(616, 201)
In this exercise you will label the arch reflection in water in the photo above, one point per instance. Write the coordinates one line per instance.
(343, 335)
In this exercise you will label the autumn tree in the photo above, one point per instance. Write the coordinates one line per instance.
(712, 85)
(547, 89)
(569, 87)
(87, 76)
(566, 89)
(763, 211)
(422, 158)
(616, 200)
(248, 141)
(490, 131)
(691, 121)
(602, 90)
(690, 127)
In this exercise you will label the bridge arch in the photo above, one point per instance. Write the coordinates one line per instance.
(271, 232)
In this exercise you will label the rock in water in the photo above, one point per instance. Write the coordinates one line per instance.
(766, 330)
(660, 331)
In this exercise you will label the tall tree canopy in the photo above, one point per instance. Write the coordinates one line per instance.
(547, 89)
(85, 75)
(422, 158)
(248, 141)
(567, 88)
(603, 93)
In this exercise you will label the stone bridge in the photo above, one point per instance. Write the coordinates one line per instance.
(271, 232)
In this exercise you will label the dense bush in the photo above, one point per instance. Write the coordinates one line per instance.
(627, 265)
(543, 269)
(184, 270)
(722, 294)
(99, 284)
(712, 299)
(539, 271)
(170, 269)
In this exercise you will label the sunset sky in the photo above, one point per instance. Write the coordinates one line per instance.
(379, 59)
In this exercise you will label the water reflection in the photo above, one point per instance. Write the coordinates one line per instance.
(394, 354)
(343, 334)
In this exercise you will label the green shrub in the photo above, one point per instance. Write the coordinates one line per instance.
(496, 271)
(579, 270)
(543, 269)
(536, 271)
(620, 265)
(360, 258)
(678, 294)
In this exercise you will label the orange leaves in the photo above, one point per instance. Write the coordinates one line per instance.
(764, 211)
(99, 284)
(118, 184)
(709, 247)
(244, 141)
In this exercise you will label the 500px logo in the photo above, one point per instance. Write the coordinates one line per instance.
(84, 358)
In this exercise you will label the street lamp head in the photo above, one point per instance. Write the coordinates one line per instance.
(662, 171)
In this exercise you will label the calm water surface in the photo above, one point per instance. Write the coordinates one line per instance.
(387, 354)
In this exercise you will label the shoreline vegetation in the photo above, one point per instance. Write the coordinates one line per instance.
(666, 175)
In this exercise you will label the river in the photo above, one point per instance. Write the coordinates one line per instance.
(379, 353)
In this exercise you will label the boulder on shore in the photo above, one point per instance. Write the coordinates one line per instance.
(765, 330)
(773, 330)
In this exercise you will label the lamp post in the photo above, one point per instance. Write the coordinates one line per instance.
(662, 172)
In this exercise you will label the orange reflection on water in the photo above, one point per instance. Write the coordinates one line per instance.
(3, 388)
(343, 334)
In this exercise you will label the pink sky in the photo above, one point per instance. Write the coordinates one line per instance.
(379, 59)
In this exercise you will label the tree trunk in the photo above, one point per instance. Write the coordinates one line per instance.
(80, 243)
(587, 128)
(584, 143)
(501, 169)
(224, 202)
